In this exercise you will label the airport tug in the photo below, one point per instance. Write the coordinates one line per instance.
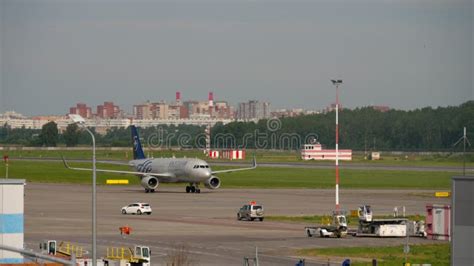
(337, 228)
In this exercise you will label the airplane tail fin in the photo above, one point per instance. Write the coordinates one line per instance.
(137, 146)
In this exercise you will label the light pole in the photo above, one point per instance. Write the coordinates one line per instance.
(81, 122)
(337, 82)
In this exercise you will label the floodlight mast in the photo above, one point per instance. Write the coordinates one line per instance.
(337, 82)
(79, 120)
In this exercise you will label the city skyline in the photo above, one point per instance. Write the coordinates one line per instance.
(404, 54)
(125, 113)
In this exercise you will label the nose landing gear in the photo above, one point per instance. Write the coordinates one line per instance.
(193, 188)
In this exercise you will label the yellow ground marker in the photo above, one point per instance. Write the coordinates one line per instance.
(442, 194)
(117, 182)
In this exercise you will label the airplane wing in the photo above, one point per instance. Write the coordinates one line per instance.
(113, 162)
(115, 171)
(254, 165)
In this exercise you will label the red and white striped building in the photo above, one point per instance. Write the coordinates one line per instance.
(233, 154)
(316, 152)
(214, 154)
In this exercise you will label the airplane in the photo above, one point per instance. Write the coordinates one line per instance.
(152, 171)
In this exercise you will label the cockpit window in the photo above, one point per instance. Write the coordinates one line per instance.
(201, 166)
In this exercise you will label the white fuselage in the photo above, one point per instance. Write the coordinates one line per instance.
(176, 169)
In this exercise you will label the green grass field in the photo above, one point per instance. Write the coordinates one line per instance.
(262, 177)
(434, 254)
(262, 156)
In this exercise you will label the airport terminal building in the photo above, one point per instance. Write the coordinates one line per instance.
(11, 218)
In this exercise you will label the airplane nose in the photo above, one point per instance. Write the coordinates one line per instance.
(205, 174)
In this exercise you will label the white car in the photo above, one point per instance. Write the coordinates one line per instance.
(137, 208)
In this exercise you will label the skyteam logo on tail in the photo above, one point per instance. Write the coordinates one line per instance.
(144, 167)
(135, 143)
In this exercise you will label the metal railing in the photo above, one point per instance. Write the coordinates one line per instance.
(40, 256)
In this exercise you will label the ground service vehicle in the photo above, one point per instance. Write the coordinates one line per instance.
(138, 255)
(368, 226)
(137, 208)
(388, 227)
(338, 227)
(251, 212)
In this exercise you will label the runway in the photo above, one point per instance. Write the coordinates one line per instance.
(204, 223)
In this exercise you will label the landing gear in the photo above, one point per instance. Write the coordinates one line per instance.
(147, 190)
(192, 188)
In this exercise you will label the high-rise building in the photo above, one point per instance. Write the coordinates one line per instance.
(174, 111)
(160, 110)
(108, 110)
(222, 110)
(81, 109)
(253, 109)
(197, 107)
(142, 111)
(149, 110)
(183, 112)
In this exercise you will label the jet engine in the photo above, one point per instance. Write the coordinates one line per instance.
(149, 182)
(213, 182)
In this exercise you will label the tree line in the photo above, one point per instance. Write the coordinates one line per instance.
(49, 136)
(426, 129)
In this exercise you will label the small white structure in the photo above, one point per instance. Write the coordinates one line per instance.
(11, 218)
(375, 155)
(316, 152)
(438, 221)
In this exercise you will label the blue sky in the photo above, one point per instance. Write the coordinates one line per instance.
(405, 54)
